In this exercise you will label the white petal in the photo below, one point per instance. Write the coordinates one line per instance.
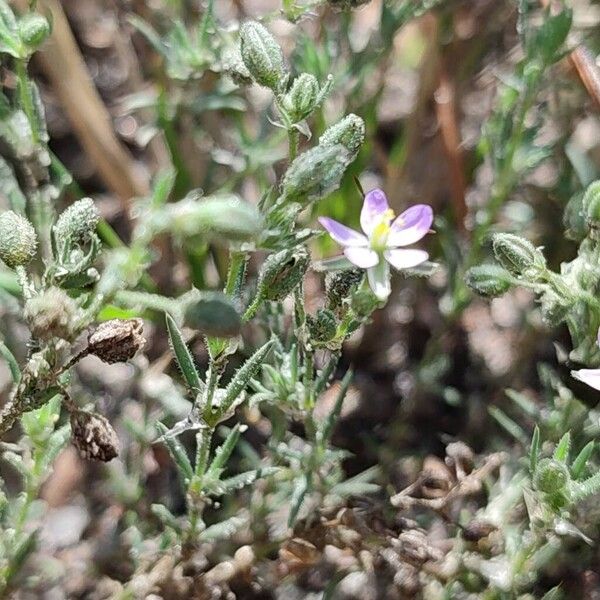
(361, 257)
(405, 259)
(589, 376)
(379, 280)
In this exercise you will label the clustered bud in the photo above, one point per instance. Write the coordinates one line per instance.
(33, 29)
(489, 280)
(18, 240)
(315, 173)
(78, 222)
(93, 436)
(116, 340)
(302, 97)
(518, 255)
(213, 314)
(282, 272)
(349, 132)
(52, 314)
(261, 54)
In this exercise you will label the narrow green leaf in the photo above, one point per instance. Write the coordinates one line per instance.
(183, 357)
(223, 453)
(580, 461)
(237, 482)
(301, 488)
(332, 417)
(223, 530)
(13, 365)
(177, 452)
(562, 450)
(514, 429)
(166, 517)
(242, 377)
(534, 452)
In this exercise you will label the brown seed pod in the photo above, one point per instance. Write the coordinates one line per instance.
(93, 436)
(117, 340)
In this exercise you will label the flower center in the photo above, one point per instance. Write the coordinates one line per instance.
(379, 235)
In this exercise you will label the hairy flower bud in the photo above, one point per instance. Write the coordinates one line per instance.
(339, 286)
(323, 326)
(224, 218)
(282, 272)
(117, 340)
(551, 476)
(52, 314)
(261, 54)
(214, 314)
(78, 222)
(301, 100)
(489, 280)
(518, 255)
(93, 436)
(554, 308)
(349, 132)
(33, 29)
(315, 173)
(18, 240)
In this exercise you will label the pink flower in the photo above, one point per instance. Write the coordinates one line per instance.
(383, 239)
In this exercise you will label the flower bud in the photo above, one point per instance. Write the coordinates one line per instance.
(282, 272)
(52, 314)
(220, 217)
(349, 132)
(551, 476)
(322, 327)
(554, 309)
(213, 314)
(261, 54)
(315, 173)
(339, 285)
(93, 436)
(117, 340)
(18, 240)
(518, 255)
(78, 222)
(33, 29)
(301, 100)
(489, 280)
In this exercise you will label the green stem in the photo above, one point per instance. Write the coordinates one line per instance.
(294, 142)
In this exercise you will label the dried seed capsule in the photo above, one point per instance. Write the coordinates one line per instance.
(518, 255)
(52, 314)
(349, 132)
(282, 272)
(117, 340)
(93, 436)
(489, 280)
(78, 222)
(18, 240)
(261, 54)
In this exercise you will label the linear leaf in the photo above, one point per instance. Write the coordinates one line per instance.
(183, 357)
(177, 452)
(562, 450)
(243, 376)
(580, 462)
